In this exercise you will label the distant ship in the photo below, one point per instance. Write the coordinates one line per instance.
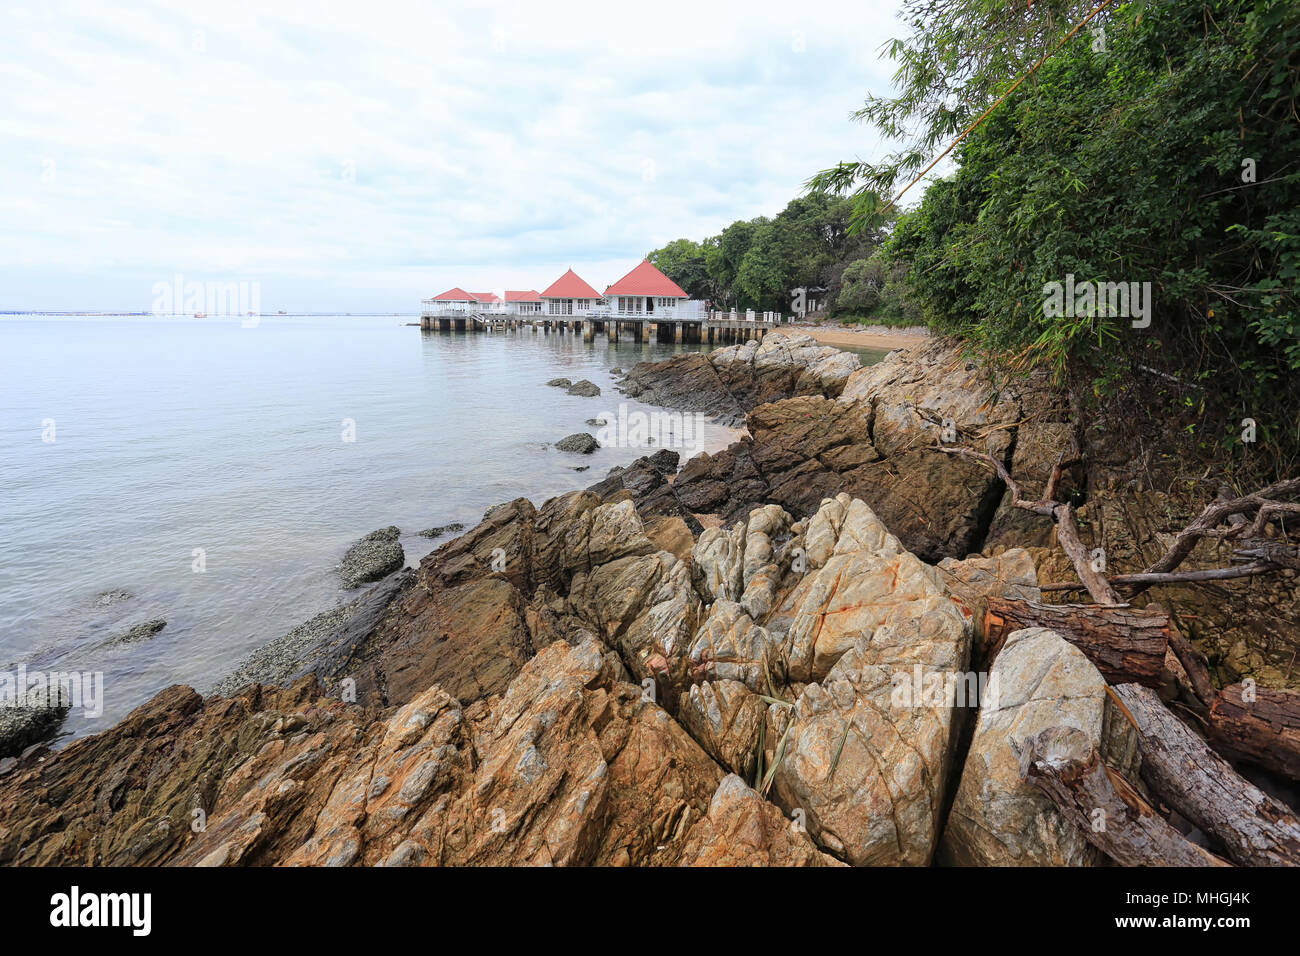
(200, 315)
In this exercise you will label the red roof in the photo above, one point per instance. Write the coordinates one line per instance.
(529, 296)
(645, 279)
(570, 286)
(454, 295)
(486, 297)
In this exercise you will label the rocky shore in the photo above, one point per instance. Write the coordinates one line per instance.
(758, 659)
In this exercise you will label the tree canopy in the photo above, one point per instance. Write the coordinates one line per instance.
(756, 263)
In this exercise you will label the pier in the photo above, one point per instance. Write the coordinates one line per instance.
(713, 328)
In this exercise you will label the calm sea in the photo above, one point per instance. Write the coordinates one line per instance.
(130, 449)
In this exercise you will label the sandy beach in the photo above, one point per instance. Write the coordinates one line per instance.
(870, 337)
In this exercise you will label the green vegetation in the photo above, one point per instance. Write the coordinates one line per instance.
(1168, 153)
(755, 263)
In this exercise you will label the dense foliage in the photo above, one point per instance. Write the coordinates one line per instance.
(1171, 156)
(755, 263)
(959, 56)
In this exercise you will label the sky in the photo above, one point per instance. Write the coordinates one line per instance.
(362, 156)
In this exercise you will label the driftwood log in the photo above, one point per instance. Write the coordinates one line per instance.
(1111, 815)
(1118, 639)
(1254, 829)
(1265, 730)
(1126, 644)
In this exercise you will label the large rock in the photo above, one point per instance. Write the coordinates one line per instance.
(971, 582)
(23, 726)
(1039, 680)
(726, 717)
(806, 449)
(867, 767)
(570, 766)
(729, 382)
(579, 444)
(868, 581)
(868, 770)
(646, 608)
(913, 394)
(376, 555)
(471, 639)
(743, 829)
(784, 364)
(869, 435)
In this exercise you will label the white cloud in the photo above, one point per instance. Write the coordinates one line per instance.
(360, 156)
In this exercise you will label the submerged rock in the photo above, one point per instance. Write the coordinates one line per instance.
(581, 444)
(141, 632)
(376, 555)
(319, 646)
(559, 383)
(112, 596)
(454, 528)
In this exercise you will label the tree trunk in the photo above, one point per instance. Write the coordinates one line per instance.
(1265, 730)
(1112, 816)
(1254, 829)
(1127, 645)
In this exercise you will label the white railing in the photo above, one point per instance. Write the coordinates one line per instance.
(437, 306)
(749, 315)
(434, 305)
(689, 311)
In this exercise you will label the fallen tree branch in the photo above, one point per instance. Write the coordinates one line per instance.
(1126, 644)
(1217, 512)
(1265, 730)
(1270, 556)
(1195, 666)
(1183, 771)
(1038, 507)
(1175, 577)
(1111, 815)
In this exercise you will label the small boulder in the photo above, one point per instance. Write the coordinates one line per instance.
(584, 389)
(559, 383)
(375, 556)
(22, 726)
(581, 444)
